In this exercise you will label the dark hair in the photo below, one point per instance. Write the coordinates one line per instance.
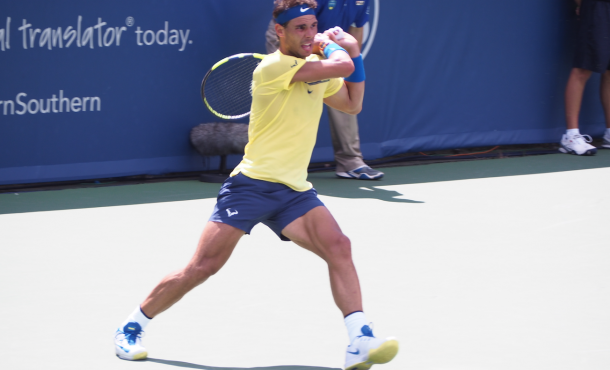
(280, 6)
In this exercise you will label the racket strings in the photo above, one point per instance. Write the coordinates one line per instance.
(228, 89)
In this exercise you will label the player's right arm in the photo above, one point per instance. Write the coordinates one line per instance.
(339, 63)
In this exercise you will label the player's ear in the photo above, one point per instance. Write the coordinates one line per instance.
(279, 30)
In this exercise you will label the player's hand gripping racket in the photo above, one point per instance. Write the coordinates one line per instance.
(227, 87)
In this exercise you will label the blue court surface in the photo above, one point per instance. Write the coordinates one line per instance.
(496, 264)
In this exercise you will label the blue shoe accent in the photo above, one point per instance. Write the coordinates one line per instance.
(132, 331)
(367, 331)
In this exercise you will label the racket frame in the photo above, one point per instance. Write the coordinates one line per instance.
(218, 64)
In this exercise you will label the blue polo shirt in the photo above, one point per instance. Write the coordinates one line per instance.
(342, 13)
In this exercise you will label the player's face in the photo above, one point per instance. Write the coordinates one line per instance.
(298, 36)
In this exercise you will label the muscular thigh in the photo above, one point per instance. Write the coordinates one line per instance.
(317, 231)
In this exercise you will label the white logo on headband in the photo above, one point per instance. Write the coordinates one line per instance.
(303, 10)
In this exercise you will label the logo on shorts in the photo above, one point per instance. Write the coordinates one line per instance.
(231, 213)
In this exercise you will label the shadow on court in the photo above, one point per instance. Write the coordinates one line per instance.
(359, 192)
(106, 196)
(326, 183)
(203, 367)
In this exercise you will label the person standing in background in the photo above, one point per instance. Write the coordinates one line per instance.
(351, 16)
(592, 55)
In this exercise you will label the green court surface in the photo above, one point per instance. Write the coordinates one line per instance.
(490, 264)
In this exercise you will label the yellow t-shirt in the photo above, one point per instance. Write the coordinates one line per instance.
(283, 121)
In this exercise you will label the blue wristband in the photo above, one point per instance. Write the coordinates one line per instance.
(330, 48)
(358, 75)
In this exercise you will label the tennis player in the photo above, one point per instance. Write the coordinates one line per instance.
(270, 184)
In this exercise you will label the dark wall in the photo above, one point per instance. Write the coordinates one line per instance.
(440, 74)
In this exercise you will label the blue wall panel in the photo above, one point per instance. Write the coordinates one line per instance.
(441, 74)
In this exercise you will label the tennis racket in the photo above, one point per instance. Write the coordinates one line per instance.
(227, 87)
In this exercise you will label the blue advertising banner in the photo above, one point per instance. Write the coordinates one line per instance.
(106, 89)
(110, 88)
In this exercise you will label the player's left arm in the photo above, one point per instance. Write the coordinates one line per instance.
(350, 96)
(348, 99)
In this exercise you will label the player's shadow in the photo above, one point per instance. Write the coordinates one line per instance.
(372, 192)
(188, 365)
(329, 185)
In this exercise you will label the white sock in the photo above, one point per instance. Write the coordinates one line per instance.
(607, 134)
(573, 131)
(136, 316)
(354, 323)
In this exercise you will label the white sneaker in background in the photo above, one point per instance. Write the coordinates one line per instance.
(577, 144)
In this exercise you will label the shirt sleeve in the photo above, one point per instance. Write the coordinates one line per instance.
(363, 15)
(333, 87)
(276, 72)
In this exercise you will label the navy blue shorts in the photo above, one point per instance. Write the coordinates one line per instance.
(593, 42)
(244, 202)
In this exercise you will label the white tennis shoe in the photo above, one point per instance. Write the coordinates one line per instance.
(366, 351)
(128, 342)
(577, 144)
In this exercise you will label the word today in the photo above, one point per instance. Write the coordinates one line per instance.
(99, 35)
(161, 37)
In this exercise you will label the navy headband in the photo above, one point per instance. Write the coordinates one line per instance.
(294, 12)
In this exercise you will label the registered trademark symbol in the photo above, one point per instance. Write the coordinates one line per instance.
(130, 21)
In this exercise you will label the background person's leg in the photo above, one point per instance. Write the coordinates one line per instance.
(605, 97)
(573, 142)
(573, 95)
(345, 138)
(346, 145)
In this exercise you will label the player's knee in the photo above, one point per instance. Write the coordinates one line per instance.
(340, 248)
(200, 273)
(581, 74)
